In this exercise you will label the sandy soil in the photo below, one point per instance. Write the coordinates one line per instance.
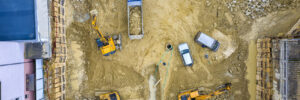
(135, 20)
(165, 21)
(251, 69)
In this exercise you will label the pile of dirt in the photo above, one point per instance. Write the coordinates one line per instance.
(135, 21)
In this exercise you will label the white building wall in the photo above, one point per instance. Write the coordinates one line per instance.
(12, 75)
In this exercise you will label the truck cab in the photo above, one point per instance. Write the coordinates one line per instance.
(207, 41)
(185, 54)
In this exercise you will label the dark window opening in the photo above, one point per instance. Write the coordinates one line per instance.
(26, 96)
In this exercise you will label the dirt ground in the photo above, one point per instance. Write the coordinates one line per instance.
(233, 23)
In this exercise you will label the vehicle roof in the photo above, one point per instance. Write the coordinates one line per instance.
(183, 46)
(187, 58)
(206, 40)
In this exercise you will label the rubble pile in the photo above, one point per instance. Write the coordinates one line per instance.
(258, 8)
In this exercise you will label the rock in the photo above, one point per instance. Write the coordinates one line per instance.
(257, 8)
(208, 3)
(230, 71)
(229, 18)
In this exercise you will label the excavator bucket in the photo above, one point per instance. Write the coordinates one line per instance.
(94, 12)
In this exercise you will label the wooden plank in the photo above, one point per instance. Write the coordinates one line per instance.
(57, 70)
(263, 68)
(60, 64)
(58, 94)
(57, 85)
(57, 89)
(57, 80)
(294, 27)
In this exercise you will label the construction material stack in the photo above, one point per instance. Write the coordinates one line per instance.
(56, 70)
(264, 71)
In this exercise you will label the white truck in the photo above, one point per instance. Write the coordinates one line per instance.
(207, 41)
(185, 54)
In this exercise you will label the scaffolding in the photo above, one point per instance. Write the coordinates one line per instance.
(278, 69)
(278, 66)
(295, 30)
(264, 72)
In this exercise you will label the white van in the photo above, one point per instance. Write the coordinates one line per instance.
(207, 41)
(185, 54)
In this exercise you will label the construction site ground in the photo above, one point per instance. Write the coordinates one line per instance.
(233, 23)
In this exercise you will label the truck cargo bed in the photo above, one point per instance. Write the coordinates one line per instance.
(135, 19)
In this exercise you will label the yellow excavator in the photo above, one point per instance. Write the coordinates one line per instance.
(107, 44)
(197, 94)
(108, 96)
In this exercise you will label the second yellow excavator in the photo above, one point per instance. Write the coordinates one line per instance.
(107, 44)
(199, 95)
(108, 96)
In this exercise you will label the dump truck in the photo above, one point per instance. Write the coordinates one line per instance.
(207, 41)
(135, 19)
(197, 94)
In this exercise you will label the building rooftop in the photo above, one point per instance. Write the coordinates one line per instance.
(24, 20)
(289, 69)
(17, 20)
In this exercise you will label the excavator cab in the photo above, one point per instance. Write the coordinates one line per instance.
(113, 96)
(99, 43)
(184, 97)
(223, 88)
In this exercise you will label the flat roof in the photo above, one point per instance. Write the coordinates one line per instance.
(17, 19)
(289, 68)
(24, 20)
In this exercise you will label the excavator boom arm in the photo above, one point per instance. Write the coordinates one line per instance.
(196, 95)
(97, 29)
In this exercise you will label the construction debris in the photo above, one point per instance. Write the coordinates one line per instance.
(259, 8)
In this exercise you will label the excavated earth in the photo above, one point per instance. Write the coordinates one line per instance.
(233, 23)
(135, 20)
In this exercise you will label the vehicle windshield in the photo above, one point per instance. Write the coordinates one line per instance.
(184, 51)
(216, 46)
